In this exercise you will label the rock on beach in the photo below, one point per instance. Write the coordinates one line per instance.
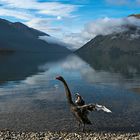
(13, 135)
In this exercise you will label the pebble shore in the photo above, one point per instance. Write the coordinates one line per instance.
(11, 135)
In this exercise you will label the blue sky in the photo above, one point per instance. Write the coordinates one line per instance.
(65, 18)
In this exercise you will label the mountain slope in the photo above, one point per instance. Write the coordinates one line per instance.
(135, 15)
(116, 52)
(21, 52)
(19, 37)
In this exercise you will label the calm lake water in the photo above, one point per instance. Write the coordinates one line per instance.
(38, 102)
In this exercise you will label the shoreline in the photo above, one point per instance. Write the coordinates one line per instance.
(63, 135)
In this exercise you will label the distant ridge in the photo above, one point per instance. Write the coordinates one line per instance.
(135, 15)
(116, 52)
(19, 37)
(22, 52)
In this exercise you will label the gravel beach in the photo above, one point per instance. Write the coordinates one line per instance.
(14, 135)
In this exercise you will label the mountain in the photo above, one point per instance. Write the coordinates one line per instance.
(135, 15)
(116, 52)
(22, 52)
(19, 37)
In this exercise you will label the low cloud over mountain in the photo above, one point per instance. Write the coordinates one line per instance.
(103, 26)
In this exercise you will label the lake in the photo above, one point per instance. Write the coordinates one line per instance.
(37, 102)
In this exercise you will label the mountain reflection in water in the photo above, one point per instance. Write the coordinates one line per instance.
(39, 103)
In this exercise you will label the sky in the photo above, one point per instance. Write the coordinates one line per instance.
(72, 21)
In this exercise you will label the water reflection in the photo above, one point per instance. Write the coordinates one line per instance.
(39, 100)
(20, 65)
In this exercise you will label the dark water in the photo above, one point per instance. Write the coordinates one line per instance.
(38, 101)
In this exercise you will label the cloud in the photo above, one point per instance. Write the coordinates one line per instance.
(38, 23)
(102, 26)
(57, 9)
(46, 8)
(16, 14)
(43, 24)
(44, 16)
(75, 40)
(53, 40)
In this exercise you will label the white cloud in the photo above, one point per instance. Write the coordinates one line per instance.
(48, 8)
(44, 24)
(40, 15)
(43, 15)
(57, 9)
(53, 40)
(102, 26)
(17, 14)
(38, 23)
(75, 40)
